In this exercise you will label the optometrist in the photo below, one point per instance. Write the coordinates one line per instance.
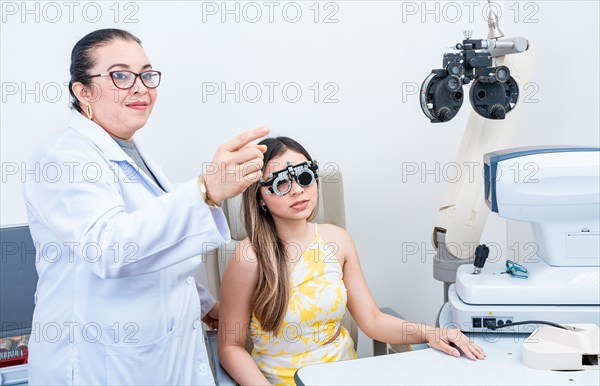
(117, 245)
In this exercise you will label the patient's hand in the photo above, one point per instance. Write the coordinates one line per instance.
(212, 317)
(448, 339)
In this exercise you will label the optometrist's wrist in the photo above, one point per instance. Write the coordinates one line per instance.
(205, 195)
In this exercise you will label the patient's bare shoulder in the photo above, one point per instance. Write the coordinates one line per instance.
(243, 261)
(339, 239)
(331, 232)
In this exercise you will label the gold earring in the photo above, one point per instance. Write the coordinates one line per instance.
(90, 114)
(263, 208)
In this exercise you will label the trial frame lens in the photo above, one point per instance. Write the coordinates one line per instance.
(304, 174)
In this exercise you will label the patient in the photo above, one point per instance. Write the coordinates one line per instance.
(290, 281)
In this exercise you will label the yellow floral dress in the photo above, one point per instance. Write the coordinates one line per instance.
(314, 314)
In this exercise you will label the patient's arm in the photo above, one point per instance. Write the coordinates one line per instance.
(238, 284)
(387, 328)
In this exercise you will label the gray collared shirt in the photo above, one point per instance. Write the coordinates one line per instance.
(129, 148)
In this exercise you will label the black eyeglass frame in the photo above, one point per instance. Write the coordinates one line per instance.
(110, 73)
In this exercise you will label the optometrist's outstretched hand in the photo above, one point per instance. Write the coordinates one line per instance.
(236, 164)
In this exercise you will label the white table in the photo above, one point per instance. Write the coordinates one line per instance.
(503, 366)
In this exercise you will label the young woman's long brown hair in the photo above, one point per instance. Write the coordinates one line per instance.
(272, 295)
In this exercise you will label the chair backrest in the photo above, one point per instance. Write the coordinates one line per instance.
(330, 211)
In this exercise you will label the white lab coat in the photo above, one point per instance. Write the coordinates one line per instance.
(116, 300)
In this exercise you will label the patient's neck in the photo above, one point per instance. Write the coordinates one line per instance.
(293, 230)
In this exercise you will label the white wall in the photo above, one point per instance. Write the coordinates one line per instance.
(371, 56)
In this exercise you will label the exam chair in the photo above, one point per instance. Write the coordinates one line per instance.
(330, 210)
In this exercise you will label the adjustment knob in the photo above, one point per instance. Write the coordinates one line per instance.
(502, 74)
(453, 83)
(445, 114)
(455, 68)
(498, 111)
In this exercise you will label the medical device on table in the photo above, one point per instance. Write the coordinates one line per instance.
(560, 283)
(560, 197)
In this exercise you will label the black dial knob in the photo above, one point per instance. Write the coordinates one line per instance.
(445, 114)
(498, 112)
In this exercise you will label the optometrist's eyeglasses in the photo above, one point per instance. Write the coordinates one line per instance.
(126, 79)
(516, 270)
(280, 182)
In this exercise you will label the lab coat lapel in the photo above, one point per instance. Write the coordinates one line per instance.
(107, 145)
(99, 137)
(153, 167)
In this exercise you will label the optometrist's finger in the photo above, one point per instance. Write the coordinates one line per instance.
(251, 166)
(261, 148)
(243, 139)
(252, 177)
(244, 155)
